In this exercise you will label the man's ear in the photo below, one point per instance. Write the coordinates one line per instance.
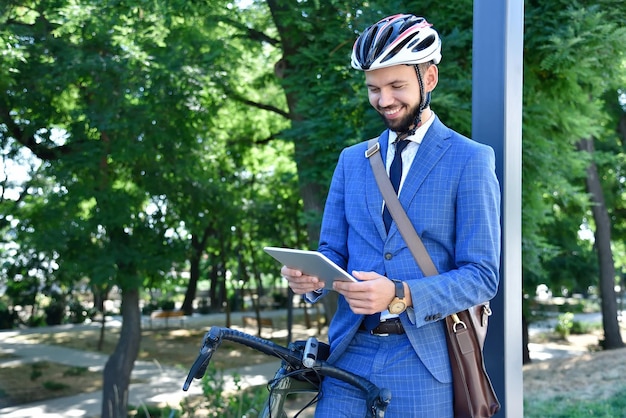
(431, 78)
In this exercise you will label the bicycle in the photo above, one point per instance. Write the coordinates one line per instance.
(303, 365)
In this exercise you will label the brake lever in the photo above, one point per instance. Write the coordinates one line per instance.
(381, 403)
(210, 344)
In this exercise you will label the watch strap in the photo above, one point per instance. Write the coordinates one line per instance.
(399, 288)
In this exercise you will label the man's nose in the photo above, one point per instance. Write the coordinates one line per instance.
(385, 98)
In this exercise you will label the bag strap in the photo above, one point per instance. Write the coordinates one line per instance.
(406, 228)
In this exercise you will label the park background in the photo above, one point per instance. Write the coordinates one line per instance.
(151, 149)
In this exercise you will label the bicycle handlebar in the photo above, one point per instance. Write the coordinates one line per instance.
(377, 398)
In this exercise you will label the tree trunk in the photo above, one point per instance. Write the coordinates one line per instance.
(194, 275)
(311, 191)
(525, 340)
(192, 287)
(119, 366)
(198, 245)
(103, 321)
(612, 336)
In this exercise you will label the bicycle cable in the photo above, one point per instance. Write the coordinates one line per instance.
(302, 374)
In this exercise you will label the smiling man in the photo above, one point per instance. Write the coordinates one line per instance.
(389, 326)
(392, 91)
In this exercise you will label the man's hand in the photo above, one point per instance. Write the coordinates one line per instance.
(300, 283)
(371, 295)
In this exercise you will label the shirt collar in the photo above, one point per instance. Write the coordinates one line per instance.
(419, 134)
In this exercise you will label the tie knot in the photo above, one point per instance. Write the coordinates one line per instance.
(400, 145)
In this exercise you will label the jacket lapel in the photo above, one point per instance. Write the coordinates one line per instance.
(431, 150)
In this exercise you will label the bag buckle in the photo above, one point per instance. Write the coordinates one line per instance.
(486, 313)
(457, 323)
(372, 150)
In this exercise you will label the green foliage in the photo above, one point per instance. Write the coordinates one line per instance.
(37, 369)
(54, 386)
(564, 324)
(7, 316)
(167, 304)
(152, 411)
(568, 407)
(204, 307)
(75, 371)
(581, 328)
(35, 374)
(77, 312)
(217, 403)
(149, 307)
(36, 321)
(55, 311)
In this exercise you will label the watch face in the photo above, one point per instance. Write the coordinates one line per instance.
(397, 307)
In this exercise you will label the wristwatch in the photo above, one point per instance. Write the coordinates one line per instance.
(398, 304)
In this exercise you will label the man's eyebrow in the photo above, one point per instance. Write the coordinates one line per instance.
(390, 83)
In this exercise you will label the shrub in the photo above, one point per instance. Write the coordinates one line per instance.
(149, 307)
(243, 403)
(75, 371)
(36, 369)
(54, 386)
(7, 318)
(36, 321)
(55, 311)
(580, 328)
(564, 324)
(167, 305)
(78, 313)
(151, 411)
(204, 307)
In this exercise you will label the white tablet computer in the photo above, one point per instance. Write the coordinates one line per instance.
(312, 263)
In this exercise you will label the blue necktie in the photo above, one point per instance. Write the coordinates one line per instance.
(395, 175)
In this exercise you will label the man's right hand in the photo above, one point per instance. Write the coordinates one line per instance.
(300, 283)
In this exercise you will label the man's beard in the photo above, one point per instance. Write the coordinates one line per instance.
(404, 124)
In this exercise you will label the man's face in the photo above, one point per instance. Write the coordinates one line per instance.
(394, 92)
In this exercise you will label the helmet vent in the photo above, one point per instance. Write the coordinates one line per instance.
(399, 47)
(425, 44)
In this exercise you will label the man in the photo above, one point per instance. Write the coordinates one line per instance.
(450, 193)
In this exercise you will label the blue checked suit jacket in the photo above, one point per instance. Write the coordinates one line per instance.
(452, 196)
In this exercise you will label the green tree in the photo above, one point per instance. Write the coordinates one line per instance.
(143, 161)
(572, 54)
(95, 94)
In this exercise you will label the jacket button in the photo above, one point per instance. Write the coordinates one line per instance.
(388, 256)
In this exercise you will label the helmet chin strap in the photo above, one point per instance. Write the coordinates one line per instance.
(424, 103)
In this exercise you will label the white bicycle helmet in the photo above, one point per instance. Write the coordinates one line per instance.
(397, 39)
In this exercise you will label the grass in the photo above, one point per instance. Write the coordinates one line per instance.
(42, 380)
(566, 407)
